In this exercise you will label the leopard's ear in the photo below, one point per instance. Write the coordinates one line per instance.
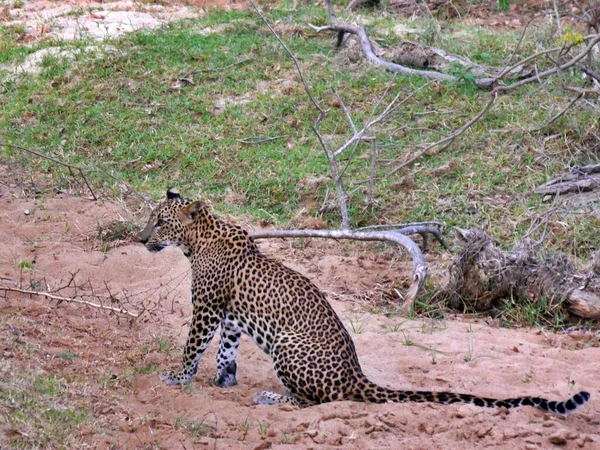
(190, 213)
(172, 193)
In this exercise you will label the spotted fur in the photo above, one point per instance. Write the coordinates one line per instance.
(284, 313)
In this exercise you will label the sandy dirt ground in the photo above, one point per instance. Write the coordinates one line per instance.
(75, 19)
(58, 237)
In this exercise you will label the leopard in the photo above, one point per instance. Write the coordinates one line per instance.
(243, 291)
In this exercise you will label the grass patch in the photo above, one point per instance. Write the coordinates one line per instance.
(38, 412)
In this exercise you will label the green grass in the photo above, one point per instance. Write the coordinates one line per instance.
(128, 114)
(38, 411)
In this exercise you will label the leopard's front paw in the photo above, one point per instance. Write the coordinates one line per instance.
(226, 376)
(174, 378)
(223, 380)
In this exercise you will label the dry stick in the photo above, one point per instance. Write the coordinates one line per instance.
(448, 139)
(71, 167)
(367, 49)
(419, 265)
(558, 24)
(80, 170)
(260, 140)
(559, 114)
(499, 89)
(523, 36)
(546, 73)
(306, 88)
(583, 91)
(67, 299)
(342, 196)
(372, 173)
(589, 72)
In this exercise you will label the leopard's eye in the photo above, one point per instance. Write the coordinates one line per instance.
(159, 223)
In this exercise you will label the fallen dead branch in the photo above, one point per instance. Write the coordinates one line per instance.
(419, 272)
(580, 185)
(60, 298)
(483, 82)
(71, 167)
(81, 171)
(483, 275)
(146, 305)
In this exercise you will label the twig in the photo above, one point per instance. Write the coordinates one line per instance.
(218, 69)
(367, 49)
(79, 169)
(448, 139)
(342, 196)
(559, 114)
(260, 140)
(67, 299)
(371, 187)
(558, 24)
(306, 88)
(419, 271)
(583, 91)
(71, 167)
(595, 39)
(589, 72)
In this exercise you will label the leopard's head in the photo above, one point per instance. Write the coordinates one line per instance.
(165, 227)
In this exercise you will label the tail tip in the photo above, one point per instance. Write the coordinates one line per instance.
(581, 397)
(575, 402)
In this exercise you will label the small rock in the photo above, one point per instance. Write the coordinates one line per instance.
(264, 445)
(580, 443)
(27, 212)
(7, 354)
(312, 433)
(558, 438)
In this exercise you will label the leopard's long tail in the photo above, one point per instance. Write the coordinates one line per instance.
(368, 391)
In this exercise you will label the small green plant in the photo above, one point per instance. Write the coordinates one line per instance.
(263, 428)
(357, 323)
(49, 385)
(407, 340)
(527, 378)
(198, 428)
(433, 357)
(504, 5)
(26, 265)
(68, 355)
(164, 345)
(570, 37)
(148, 368)
(245, 427)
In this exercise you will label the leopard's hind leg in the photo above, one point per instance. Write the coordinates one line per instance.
(231, 336)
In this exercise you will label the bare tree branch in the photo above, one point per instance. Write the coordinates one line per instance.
(419, 271)
(306, 88)
(560, 113)
(448, 139)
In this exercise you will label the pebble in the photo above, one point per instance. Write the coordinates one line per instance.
(558, 438)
